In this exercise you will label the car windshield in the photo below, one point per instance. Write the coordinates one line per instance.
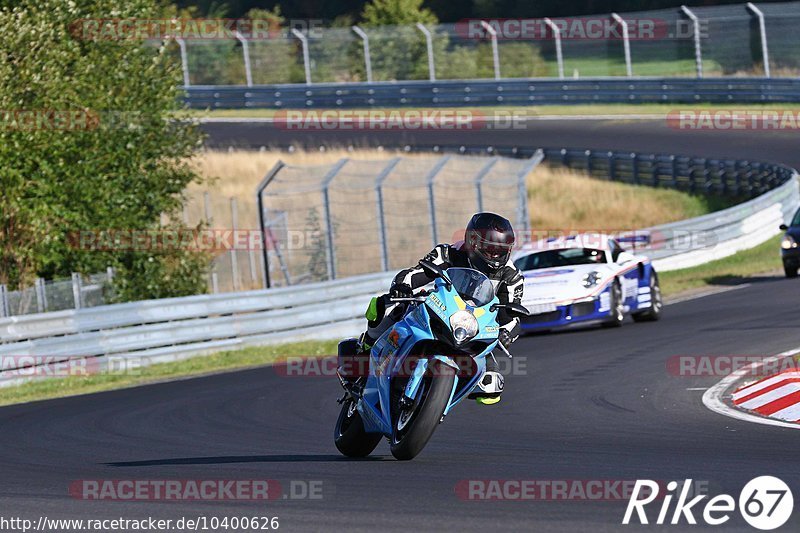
(796, 219)
(473, 286)
(560, 258)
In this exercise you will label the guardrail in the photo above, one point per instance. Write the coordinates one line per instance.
(171, 329)
(510, 92)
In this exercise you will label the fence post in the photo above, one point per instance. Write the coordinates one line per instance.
(635, 168)
(762, 28)
(306, 58)
(246, 53)
(495, 53)
(381, 217)
(4, 309)
(260, 206)
(429, 179)
(612, 168)
(557, 38)
(367, 59)
(626, 42)
(698, 53)
(522, 207)
(429, 45)
(184, 61)
(326, 204)
(479, 180)
(207, 207)
(76, 289)
(41, 301)
(234, 257)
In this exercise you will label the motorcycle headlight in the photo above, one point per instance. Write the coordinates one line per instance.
(464, 325)
(788, 242)
(592, 279)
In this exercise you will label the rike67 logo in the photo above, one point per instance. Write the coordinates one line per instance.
(765, 503)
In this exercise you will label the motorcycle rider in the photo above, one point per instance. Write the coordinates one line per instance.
(487, 245)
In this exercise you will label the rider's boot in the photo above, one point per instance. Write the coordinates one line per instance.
(490, 387)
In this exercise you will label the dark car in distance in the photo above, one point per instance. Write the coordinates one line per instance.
(790, 246)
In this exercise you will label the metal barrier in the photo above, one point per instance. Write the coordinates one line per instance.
(519, 92)
(729, 40)
(171, 329)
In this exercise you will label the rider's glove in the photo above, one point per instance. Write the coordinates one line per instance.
(505, 338)
(401, 290)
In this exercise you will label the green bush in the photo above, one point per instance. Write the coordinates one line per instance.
(120, 168)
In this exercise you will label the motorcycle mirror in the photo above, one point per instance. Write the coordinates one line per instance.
(435, 271)
(513, 309)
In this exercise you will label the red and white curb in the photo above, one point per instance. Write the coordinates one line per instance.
(776, 396)
(774, 401)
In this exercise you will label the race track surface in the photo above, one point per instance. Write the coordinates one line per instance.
(636, 135)
(592, 404)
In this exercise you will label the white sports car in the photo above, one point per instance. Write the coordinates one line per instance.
(586, 278)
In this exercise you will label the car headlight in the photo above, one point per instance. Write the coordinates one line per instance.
(592, 279)
(788, 242)
(464, 325)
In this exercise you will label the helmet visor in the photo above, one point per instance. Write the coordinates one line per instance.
(493, 250)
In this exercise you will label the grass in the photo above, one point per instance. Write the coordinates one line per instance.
(732, 270)
(224, 361)
(728, 271)
(575, 109)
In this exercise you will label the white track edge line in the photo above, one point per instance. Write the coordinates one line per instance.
(712, 398)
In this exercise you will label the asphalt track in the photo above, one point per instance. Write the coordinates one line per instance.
(592, 404)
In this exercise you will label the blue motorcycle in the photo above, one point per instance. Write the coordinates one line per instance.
(420, 368)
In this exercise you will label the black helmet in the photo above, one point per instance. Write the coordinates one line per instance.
(488, 240)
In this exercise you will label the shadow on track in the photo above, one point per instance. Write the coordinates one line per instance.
(224, 459)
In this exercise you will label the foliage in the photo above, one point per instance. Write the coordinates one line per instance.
(118, 165)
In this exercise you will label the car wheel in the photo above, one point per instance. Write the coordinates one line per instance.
(656, 302)
(790, 271)
(617, 313)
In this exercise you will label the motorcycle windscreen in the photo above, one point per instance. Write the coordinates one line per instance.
(473, 286)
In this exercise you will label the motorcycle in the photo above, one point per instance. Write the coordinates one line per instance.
(420, 368)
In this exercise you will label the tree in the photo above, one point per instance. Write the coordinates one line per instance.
(396, 12)
(118, 164)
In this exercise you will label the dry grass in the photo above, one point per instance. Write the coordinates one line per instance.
(562, 199)
(559, 198)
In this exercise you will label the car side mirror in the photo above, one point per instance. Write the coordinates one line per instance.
(783, 227)
(513, 309)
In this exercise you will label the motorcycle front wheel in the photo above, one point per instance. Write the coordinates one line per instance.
(349, 435)
(414, 425)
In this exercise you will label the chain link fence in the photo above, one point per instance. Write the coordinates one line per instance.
(359, 217)
(731, 40)
(77, 292)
